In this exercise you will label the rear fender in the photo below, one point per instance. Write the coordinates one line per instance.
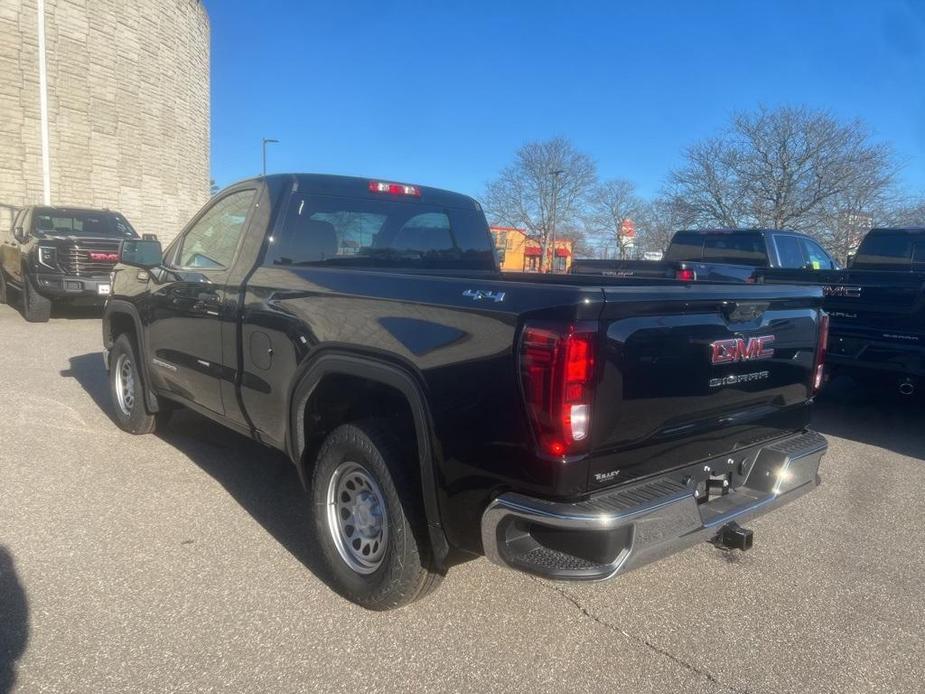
(387, 374)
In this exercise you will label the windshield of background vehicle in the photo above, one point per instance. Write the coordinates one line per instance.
(49, 222)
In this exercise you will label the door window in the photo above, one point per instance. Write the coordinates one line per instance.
(212, 241)
(816, 257)
(789, 251)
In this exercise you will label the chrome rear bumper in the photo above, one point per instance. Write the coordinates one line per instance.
(619, 530)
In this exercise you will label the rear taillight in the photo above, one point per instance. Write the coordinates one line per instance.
(821, 349)
(685, 275)
(557, 370)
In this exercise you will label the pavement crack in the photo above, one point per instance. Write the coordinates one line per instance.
(576, 603)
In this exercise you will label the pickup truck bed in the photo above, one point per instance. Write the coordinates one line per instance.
(508, 410)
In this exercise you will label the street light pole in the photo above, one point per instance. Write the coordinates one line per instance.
(266, 141)
(555, 202)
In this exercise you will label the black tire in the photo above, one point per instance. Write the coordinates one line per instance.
(3, 298)
(127, 390)
(35, 307)
(405, 571)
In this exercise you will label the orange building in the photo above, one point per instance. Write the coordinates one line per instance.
(519, 253)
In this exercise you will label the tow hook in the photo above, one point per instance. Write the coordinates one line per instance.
(734, 536)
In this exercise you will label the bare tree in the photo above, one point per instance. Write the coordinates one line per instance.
(904, 213)
(610, 205)
(545, 187)
(659, 219)
(784, 168)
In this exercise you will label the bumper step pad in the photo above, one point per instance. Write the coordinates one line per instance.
(615, 531)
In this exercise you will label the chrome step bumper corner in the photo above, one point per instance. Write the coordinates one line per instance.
(620, 530)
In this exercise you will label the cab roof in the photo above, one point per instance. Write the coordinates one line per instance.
(359, 186)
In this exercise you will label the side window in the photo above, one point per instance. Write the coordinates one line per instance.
(817, 258)
(789, 250)
(211, 243)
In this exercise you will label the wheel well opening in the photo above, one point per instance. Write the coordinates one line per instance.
(122, 324)
(341, 399)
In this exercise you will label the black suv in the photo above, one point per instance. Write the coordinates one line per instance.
(60, 254)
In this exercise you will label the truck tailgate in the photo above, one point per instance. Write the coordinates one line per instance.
(878, 303)
(689, 373)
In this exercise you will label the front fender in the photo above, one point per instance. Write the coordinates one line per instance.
(124, 308)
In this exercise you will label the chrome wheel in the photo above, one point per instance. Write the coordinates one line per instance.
(125, 384)
(357, 518)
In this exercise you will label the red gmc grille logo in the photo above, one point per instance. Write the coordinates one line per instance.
(739, 349)
(104, 257)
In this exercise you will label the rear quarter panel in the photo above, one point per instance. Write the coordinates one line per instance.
(458, 349)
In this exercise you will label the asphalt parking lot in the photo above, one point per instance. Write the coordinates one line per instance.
(178, 563)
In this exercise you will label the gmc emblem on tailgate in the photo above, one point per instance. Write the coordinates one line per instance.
(104, 257)
(739, 349)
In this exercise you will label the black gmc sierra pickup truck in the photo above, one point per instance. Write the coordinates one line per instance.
(719, 255)
(877, 307)
(60, 254)
(436, 408)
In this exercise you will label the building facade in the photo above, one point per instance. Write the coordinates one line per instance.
(517, 252)
(126, 108)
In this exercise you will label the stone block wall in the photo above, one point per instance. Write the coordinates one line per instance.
(128, 104)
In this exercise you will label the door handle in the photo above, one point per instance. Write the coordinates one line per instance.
(208, 304)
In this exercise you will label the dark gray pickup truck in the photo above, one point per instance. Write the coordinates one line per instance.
(436, 408)
(719, 255)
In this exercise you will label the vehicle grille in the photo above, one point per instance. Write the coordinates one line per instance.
(79, 259)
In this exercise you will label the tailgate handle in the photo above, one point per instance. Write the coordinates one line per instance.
(736, 312)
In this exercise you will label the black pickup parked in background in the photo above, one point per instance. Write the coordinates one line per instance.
(572, 427)
(877, 308)
(60, 254)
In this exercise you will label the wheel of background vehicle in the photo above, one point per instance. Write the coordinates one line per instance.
(369, 519)
(127, 391)
(35, 307)
(3, 298)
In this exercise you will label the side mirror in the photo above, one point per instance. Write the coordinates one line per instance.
(19, 234)
(144, 254)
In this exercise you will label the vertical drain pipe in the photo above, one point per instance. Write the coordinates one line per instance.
(43, 106)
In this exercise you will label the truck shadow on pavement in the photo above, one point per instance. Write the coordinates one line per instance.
(877, 417)
(263, 481)
(14, 621)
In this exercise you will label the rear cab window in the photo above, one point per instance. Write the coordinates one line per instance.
(735, 249)
(884, 250)
(342, 231)
(685, 246)
(720, 247)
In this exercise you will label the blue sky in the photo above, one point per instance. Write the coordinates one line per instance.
(442, 94)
